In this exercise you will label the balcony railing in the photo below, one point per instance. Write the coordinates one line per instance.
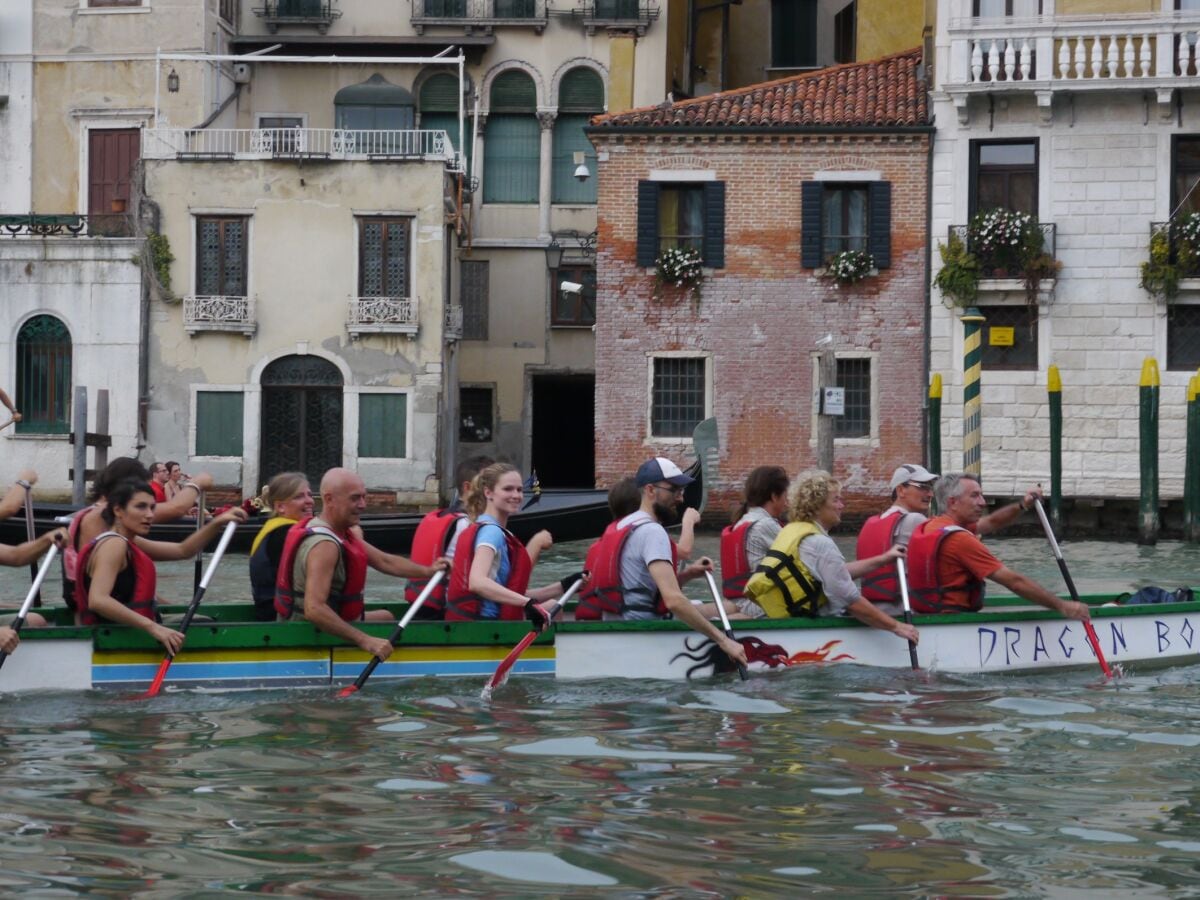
(66, 225)
(297, 12)
(1003, 263)
(481, 14)
(219, 313)
(1076, 53)
(621, 15)
(453, 323)
(293, 143)
(382, 315)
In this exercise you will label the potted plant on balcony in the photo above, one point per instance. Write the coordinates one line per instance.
(1011, 244)
(679, 268)
(850, 267)
(958, 278)
(1174, 255)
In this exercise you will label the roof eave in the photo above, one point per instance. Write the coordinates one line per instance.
(757, 129)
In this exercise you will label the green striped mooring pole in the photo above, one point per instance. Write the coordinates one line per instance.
(1148, 451)
(1054, 390)
(934, 426)
(972, 320)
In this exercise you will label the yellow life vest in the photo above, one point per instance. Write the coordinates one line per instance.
(782, 584)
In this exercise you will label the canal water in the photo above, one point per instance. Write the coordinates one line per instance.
(805, 780)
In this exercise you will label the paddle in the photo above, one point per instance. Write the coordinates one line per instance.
(394, 637)
(1062, 566)
(19, 621)
(11, 419)
(200, 555)
(501, 674)
(716, 595)
(902, 577)
(30, 534)
(156, 685)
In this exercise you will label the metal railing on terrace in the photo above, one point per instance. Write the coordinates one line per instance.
(1076, 52)
(294, 143)
(37, 225)
(616, 14)
(219, 313)
(382, 315)
(479, 13)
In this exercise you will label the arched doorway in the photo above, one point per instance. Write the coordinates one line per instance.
(301, 417)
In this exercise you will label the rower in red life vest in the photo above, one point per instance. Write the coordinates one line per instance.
(116, 578)
(912, 489)
(438, 534)
(745, 542)
(289, 497)
(324, 567)
(948, 564)
(490, 578)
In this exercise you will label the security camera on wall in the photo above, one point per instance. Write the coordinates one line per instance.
(570, 287)
(581, 169)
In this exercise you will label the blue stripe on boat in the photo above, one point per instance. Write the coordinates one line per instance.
(457, 667)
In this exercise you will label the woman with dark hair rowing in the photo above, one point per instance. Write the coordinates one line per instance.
(117, 579)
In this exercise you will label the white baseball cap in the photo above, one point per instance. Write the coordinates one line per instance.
(907, 473)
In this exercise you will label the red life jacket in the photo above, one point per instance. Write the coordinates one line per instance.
(70, 556)
(464, 606)
(431, 541)
(605, 594)
(927, 595)
(877, 536)
(348, 602)
(139, 597)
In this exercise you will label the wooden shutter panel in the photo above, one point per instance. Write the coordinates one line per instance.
(811, 193)
(714, 224)
(513, 92)
(647, 223)
(440, 94)
(879, 202)
(581, 91)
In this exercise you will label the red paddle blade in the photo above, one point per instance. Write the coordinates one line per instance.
(348, 690)
(501, 674)
(156, 684)
(1095, 642)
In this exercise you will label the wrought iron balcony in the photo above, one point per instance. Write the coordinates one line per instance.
(616, 15)
(1005, 262)
(294, 143)
(298, 12)
(219, 313)
(382, 315)
(1143, 52)
(453, 325)
(37, 225)
(483, 15)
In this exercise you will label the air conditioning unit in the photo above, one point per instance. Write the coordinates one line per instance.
(241, 73)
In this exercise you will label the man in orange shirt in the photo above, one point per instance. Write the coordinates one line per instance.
(948, 564)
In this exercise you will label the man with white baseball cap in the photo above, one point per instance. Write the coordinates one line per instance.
(649, 584)
(912, 489)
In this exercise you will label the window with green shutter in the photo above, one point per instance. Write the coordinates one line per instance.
(219, 423)
(512, 141)
(439, 112)
(382, 425)
(580, 96)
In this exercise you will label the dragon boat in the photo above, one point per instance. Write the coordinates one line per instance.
(232, 652)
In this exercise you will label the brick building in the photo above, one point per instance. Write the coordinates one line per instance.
(769, 183)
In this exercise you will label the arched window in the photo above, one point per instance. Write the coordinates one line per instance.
(376, 106)
(44, 376)
(580, 96)
(512, 142)
(439, 111)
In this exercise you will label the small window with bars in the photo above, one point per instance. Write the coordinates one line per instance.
(854, 377)
(1010, 338)
(476, 415)
(221, 256)
(44, 376)
(383, 263)
(1183, 337)
(678, 395)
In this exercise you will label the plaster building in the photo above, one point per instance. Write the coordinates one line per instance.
(770, 184)
(1082, 116)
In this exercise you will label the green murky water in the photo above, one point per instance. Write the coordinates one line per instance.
(847, 779)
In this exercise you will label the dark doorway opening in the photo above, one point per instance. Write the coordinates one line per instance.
(301, 417)
(563, 446)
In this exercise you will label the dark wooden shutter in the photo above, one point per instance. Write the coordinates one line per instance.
(879, 202)
(581, 91)
(714, 224)
(647, 223)
(811, 193)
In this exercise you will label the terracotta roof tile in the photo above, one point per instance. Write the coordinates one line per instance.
(884, 92)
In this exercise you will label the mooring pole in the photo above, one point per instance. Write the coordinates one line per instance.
(1148, 451)
(1054, 392)
(933, 459)
(1191, 461)
(79, 457)
(972, 320)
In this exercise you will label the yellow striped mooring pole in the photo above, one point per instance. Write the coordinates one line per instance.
(1148, 388)
(972, 320)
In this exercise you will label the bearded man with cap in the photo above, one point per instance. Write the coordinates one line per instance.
(649, 584)
(912, 489)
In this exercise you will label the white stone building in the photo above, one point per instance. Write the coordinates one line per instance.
(1085, 116)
